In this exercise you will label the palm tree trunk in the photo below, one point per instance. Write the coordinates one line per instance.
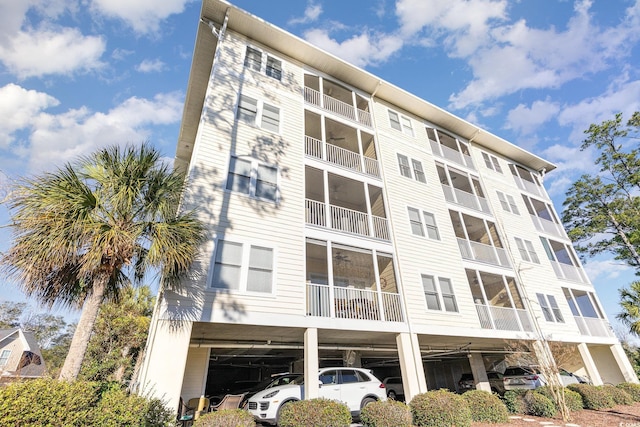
(80, 342)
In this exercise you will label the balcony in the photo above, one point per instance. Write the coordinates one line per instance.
(476, 251)
(349, 303)
(346, 220)
(451, 154)
(592, 326)
(465, 199)
(545, 226)
(341, 157)
(504, 318)
(569, 272)
(335, 106)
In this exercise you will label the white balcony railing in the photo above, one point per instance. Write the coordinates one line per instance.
(347, 220)
(341, 157)
(350, 303)
(336, 106)
(476, 251)
(465, 199)
(593, 326)
(569, 272)
(546, 226)
(503, 318)
(529, 186)
(450, 154)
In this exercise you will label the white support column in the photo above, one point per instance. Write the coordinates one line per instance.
(589, 364)
(413, 379)
(479, 372)
(623, 363)
(164, 367)
(311, 364)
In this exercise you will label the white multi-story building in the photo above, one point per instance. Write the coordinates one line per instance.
(353, 223)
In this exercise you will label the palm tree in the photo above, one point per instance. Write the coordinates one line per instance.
(81, 232)
(630, 303)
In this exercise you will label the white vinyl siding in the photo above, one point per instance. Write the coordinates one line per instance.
(243, 267)
(438, 293)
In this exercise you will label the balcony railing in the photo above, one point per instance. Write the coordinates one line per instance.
(503, 318)
(593, 326)
(450, 154)
(347, 220)
(546, 226)
(485, 253)
(338, 107)
(349, 303)
(529, 186)
(569, 272)
(341, 157)
(463, 198)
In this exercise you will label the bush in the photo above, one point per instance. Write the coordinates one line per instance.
(226, 418)
(539, 405)
(572, 399)
(514, 401)
(440, 408)
(632, 388)
(619, 396)
(486, 407)
(44, 402)
(315, 413)
(388, 413)
(593, 397)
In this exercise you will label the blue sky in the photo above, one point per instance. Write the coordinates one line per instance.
(76, 75)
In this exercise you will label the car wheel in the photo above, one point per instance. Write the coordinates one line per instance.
(366, 401)
(391, 395)
(280, 410)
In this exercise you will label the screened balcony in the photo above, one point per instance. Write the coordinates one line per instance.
(447, 147)
(564, 261)
(341, 145)
(351, 283)
(462, 189)
(498, 302)
(337, 99)
(525, 180)
(543, 217)
(587, 314)
(345, 205)
(478, 240)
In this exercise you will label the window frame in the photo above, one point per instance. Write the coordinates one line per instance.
(245, 267)
(255, 178)
(4, 357)
(491, 162)
(438, 292)
(257, 118)
(401, 123)
(263, 66)
(411, 168)
(428, 227)
(526, 250)
(508, 203)
(549, 307)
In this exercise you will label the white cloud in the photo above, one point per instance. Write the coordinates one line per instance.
(144, 16)
(526, 120)
(150, 66)
(361, 50)
(39, 52)
(18, 107)
(311, 14)
(605, 269)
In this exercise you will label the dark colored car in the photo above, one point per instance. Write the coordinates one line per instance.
(467, 382)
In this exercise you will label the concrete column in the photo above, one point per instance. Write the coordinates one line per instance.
(623, 363)
(589, 364)
(311, 364)
(413, 379)
(479, 372)
(163, 370)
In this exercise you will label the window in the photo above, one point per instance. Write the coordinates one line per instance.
(4, 357)
(249, 176)
(421, 223)
(491, 162)
(550, 308)
(508, 203)
(253, 60)
(243, 267)
(401, 123)
(525, 247)
(258, 113)
(416, 168)
(438, 293)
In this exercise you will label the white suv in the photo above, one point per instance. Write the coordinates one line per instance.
(354, 386)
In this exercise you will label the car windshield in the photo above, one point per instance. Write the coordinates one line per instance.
(299, 380)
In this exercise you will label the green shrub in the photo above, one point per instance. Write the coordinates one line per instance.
(440, 408)
(632, 388)
(486, 407)
(593, 397)
(619, 396)
(388, 413)
(539, 405)
(315, 413)
(572, 400)
(226, 418)
(514, 401)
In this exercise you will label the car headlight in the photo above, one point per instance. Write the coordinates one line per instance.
(270, 395)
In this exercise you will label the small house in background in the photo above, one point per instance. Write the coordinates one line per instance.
(20, 355)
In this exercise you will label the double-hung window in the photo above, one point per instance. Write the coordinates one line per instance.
(491, 162)
(4, 357)
(423, 223)
(401, 123)
(243, 267)
(418, 172)
(550, 309)
(258, 113)
(508, 203)
(254, 60)
(251, 177)
(525, 247)
(438, 293)
(414, 171)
